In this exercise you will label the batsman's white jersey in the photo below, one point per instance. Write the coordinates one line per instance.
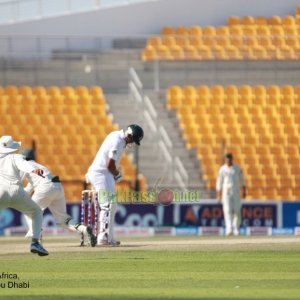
(229, 181)
(49, 194)
(101, 179)
(12, 193)
(112, 147)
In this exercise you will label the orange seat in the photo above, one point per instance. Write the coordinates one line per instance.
(51, 117)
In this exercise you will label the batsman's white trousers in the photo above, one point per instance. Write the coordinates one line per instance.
(104, 181)
(14, 196)
(232, 211)
(51, 195)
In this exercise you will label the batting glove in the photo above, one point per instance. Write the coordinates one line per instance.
(118, 177)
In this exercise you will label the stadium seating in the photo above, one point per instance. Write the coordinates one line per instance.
(259, 125)
(67, 125)
(251, 38)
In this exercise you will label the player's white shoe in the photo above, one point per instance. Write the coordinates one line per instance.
(103, 242)
(38, 249)
(228, 232)
(236, 232)
(106, 242)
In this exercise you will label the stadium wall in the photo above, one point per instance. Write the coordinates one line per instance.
(149, 17)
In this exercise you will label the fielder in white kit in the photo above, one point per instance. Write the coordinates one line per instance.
(104, 173)
(230, 180)
(49, 192)
(12, 194)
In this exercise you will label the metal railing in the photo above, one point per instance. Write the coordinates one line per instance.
(175, 168)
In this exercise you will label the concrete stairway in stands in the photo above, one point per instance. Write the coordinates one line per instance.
(124, 111)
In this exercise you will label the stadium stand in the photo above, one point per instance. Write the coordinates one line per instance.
(67, 125)
(259, 124)
(253, 38)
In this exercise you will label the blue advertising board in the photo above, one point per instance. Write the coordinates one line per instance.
(291, 214)
(209, 213)
(204, 213)
(12, 218)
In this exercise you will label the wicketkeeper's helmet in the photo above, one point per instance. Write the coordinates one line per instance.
(137, 133)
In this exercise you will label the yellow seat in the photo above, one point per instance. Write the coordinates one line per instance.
(260, 52)
(223, 41)
(248, 37)
(285, 193)
(222, 31)
(261, 21)
(96, 91)
(248, 20)
(168, 41)
(11, 90)
(53, 91)
(81, 91)
(25, 91)
(149, 53)
(209, 35)
(68, 91)
(189, 91)
(287, 93)
(264, 36)
(217, 95)
(274, 20)
(218, 52)
(39, 91)
(236, 36)
(292, 40)
(191, 53)
(286, 52)
(245, 92)
(272, 52)
(204, 53)
(154, 41)
(182, 40)
(249, 31)
(195, 41)
(167, 30)
(232, 52)
(260, 130)
(181, 30)
(68, 100)
(278, 38)
(233, 20)
(176, 52)
(289, 21)
(163, 53)
(51, 117)
(195, 31)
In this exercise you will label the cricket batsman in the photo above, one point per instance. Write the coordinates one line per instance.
(229, 181)
(12, 193)
(104, 173)
(49, 192)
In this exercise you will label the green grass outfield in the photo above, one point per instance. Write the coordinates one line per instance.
(158, 268)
